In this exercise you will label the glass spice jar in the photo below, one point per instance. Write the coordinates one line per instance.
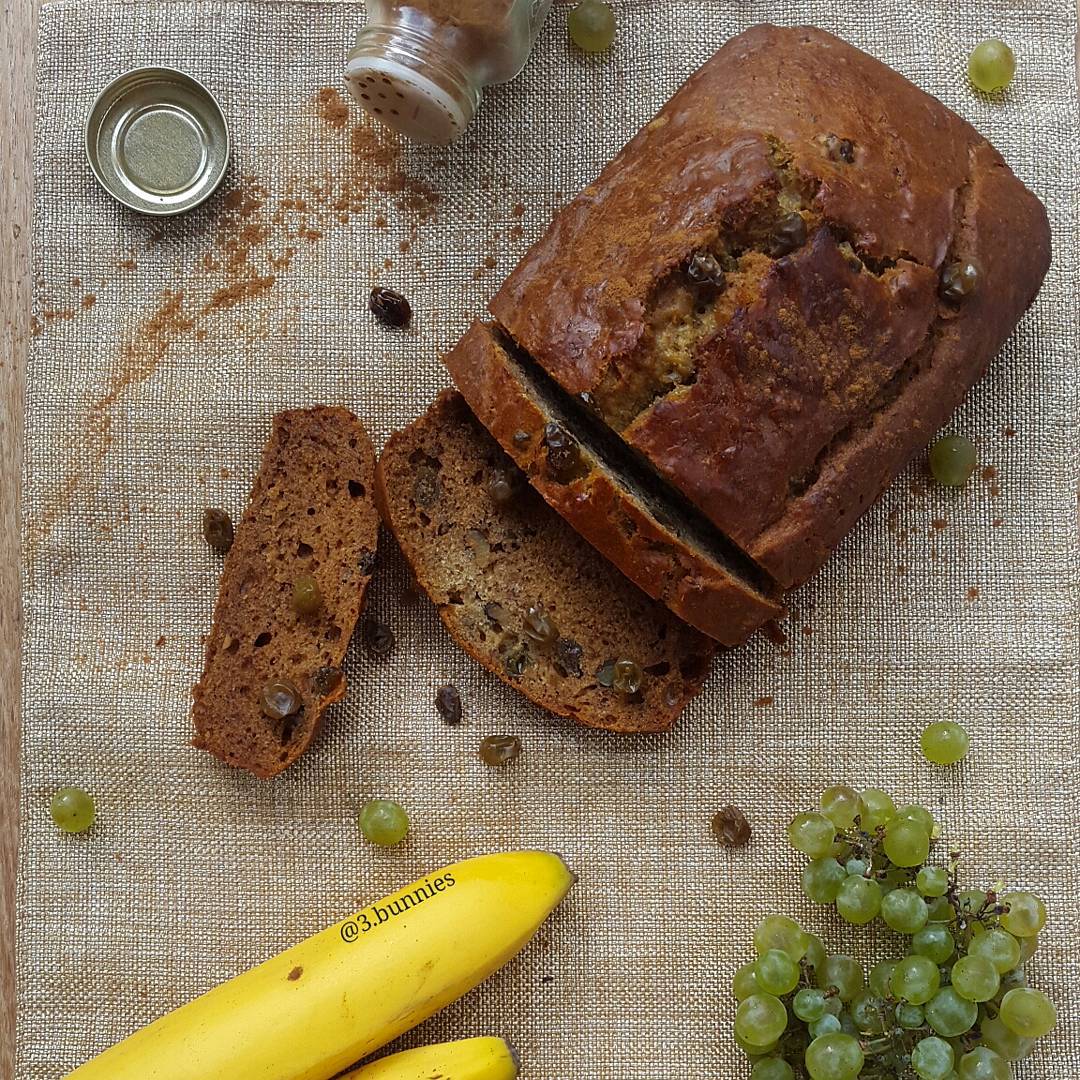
(419, 66)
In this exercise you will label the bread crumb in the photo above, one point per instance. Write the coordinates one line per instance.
(973, 593)
(808, 630)
(88, 301)
(939, 523)
(764, 701)
(160, 642)
(404, 246)
(995, 490)
(997, 522)
(776, 634)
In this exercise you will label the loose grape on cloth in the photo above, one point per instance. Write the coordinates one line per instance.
(163, 348)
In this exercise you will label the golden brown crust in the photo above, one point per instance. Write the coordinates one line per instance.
(311, 512)
(483, 564)
(821, 371)
(695, 586)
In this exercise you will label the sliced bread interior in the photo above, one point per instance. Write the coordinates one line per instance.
(521, 591)
(291, 591)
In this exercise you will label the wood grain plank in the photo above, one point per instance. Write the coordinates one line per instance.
(18, 26)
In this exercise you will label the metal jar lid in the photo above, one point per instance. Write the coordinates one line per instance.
(157, 140)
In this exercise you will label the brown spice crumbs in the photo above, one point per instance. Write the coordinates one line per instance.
(331, 108)
(516, 232)
(1009, 432)
(995, 490)
(973, 593)
(224, 472)
(997, 522)
(989, 473)
(126, 264)
(88, 301)
(36, 326)
(808, 630)
(519, 209)
(939, 523)
(764, 701)
(230, 295)
(490, 262)
(776, 634)
(295, 973)
(404, 247)
(160, 642)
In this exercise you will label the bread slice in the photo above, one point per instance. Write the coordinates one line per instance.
(486, 563)
(623, 508)
(311, 513)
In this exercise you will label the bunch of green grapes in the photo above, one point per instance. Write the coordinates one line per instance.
(953, 1004)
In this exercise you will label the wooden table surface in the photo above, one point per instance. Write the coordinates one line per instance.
(18, 26)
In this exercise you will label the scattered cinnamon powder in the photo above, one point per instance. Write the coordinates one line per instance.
(88, 301)
(380, 222)
(995, 490)
(225, 472)
(973, 593)
(160, 642)
(490, 262)
(939, 523)
(762, 702)
(1009, 432)
(126, 264)
(36, 326)
(990, 472)
(997, 522)
(516, 232)
(405, 246)
(808, 630)
(230, 295)
(331, 108)
(519, 209)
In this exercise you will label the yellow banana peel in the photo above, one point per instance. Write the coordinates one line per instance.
(332, 1000)
(486, 1058)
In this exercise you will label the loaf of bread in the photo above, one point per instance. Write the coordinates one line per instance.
(311, 518)
(661, 542)
(520, 591)
(770, 300)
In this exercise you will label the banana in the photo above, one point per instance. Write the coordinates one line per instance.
(485, 1058)
(326, 1003)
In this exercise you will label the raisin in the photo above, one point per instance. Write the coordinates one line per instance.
(521, 438)
(500, 486)
(788, 233)
(326, 680)
(568, 654)
(378, 637)
(516, 661)
(389, 307)
(496, 613)
(448, 703)
(217, 529)
(605, 675)
(837, 149)
(367, 562)
(279, 699)
(499, 749)
(958, 281)
(704, 269)
(306, 599)
(626, 678)
(730, 827)
(538, 627)
(563, 453)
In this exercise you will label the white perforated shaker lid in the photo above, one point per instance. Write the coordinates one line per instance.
(408, 100)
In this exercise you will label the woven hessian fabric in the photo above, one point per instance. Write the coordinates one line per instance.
(152, 400)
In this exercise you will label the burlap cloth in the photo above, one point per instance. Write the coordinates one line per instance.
(163, 348)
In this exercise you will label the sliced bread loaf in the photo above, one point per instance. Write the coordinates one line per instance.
(521, 591)
(291, 591)
(616, 501)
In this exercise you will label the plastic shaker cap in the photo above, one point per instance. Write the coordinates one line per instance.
(407, 100)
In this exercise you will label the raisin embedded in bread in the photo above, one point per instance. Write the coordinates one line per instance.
(751, 291)
(619, 505)
(311, 514)
(486, 548)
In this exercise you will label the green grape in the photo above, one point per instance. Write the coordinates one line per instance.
(867, 1013)
(812, 834)
(772, 1068)
(932, 1059)
(1026, 915)
(939, 910)
(907, 843)
(975, 978)
(949, 1014)
(983, 1064)
(944, 742)
(383, 822)
(856, 867)
(821, 880)
(935, 942)
(904, 911)
(72, 810)
(999, 947)
(1005, 1042)
(841, 972)
(780, 932)
(761, 1019)
(881, 977)
(932, 881)
(991, 65)
(752, 1049)
(824, 1025)
(840, 804)
(952, 460)
(834, 1057)
(809, 1005)
(971, 900)
(847, 1025)
(1028, 1012)
(745, 982)
(1028, 947)
(876, 809)
(916, 979)
(776, 972)
(858, 900)
(833, 1006)
(910, 1017)
(815, 950)
(592, 25)
(914, 812)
